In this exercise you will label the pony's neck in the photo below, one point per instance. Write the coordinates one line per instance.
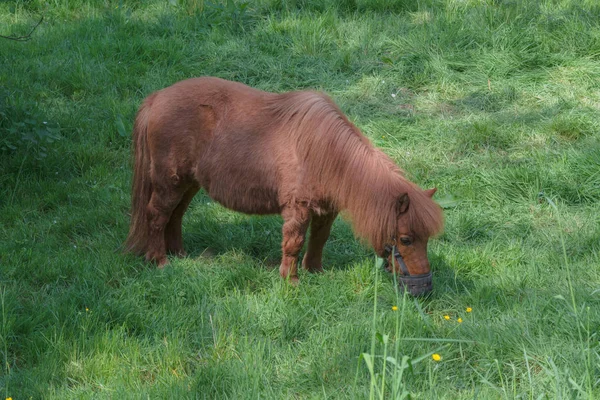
(369, 187)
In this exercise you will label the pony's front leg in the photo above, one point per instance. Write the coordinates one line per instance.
(295, 223)
(320, 227)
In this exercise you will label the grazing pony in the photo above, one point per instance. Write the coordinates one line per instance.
(294, 154)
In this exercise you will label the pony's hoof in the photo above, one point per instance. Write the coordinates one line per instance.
(292, 279)
(180, 253)
(289, 273)
(314, 268)
(160, 264)
(160, 261)
(312, 264)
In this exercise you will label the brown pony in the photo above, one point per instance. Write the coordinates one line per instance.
(294, 154)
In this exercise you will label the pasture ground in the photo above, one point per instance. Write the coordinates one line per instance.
(496, 103)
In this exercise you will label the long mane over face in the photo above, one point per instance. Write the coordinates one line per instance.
(343, 166)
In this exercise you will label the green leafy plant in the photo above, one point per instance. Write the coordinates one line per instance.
(231, 14)
(23, 129)
(228, 14)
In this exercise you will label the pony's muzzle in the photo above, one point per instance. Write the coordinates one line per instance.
(416, 285)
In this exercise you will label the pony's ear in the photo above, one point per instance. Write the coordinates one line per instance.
(402, 204)
(430, 192)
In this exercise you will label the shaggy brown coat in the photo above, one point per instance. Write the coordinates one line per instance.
(294, 154)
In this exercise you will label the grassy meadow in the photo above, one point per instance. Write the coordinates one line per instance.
(494, 102)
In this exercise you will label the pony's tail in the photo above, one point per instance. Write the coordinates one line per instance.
(137, 239)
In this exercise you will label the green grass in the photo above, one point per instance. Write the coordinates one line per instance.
(496, 103)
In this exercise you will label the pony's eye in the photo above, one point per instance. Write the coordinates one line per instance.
(406, 241)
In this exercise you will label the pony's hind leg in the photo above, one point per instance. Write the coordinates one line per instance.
(320, 227)
(173, 236)
(163, 201)
(295, 223)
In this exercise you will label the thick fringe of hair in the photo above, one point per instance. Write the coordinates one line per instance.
(355, 175)
(137, 238)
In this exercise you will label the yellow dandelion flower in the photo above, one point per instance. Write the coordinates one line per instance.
(459, 320)
(87, 309)
(436, 357)
(447, 317)
(394, 308)
(9, 398)
(469, 309)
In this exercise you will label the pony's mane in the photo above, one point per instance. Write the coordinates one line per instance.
(350, 171)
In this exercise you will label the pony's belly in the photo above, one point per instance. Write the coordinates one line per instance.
(241, 174)
(248, 200)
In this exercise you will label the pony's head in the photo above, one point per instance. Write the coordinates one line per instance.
(418, 218)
